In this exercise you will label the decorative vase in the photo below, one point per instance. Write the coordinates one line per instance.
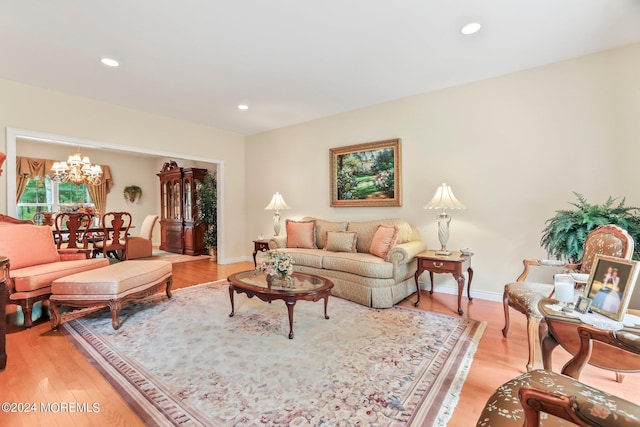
(276, 279)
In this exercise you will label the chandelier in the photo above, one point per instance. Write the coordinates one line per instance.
(78, 170)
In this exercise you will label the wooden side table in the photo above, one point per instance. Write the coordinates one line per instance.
(454, 264)
(258, 246)
(562, 330)
(4, 276)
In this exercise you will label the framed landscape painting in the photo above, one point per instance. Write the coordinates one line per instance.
(366, 174)
(610, 285)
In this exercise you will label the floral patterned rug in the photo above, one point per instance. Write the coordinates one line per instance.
(184, 361)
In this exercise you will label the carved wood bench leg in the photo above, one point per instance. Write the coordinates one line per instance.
(55, 315)
(115, 306)
(169, 283)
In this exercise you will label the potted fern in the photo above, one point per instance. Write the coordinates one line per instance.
(207, 203)
(564, 235)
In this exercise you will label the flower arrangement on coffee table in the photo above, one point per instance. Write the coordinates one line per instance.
(278, 265)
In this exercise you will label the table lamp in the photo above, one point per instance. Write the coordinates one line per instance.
(277, 203)
(444, 199)
(564, 286)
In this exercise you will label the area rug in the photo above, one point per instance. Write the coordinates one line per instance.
(184, 361)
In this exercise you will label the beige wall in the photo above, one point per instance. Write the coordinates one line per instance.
(513, 148)
(41, 110)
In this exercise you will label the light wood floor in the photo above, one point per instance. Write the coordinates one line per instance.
(43, 367)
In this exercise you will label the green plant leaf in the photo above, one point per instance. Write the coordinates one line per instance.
(565, 233)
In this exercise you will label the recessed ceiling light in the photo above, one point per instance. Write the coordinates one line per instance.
(470, 28)
(243, 107)
(110, 62)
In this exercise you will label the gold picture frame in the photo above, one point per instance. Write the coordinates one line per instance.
(367, 174)
(610, 285)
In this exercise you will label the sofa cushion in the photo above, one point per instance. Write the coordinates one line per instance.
(341, 241)
(365, 265)
(26, 245)
(305, 257)
(301, 234)
(37, 276)
(367, 229)
(114, 280)
(322, 227)
(383, 240)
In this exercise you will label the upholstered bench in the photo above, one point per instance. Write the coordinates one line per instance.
(110, 286)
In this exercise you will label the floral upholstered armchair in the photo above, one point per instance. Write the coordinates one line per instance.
(524, 296)
(545, 398)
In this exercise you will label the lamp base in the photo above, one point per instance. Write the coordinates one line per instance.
(443, 232)
(276, 223)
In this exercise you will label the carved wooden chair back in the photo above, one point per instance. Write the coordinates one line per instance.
(71, 229)
(115, 226)
(608, 240)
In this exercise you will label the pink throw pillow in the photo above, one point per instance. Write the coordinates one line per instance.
(383, 240)
(301, 234)
(26, 245)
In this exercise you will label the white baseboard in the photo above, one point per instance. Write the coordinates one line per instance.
(452, 290)
(234, 260)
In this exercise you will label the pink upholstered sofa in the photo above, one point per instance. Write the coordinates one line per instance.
(35, 262)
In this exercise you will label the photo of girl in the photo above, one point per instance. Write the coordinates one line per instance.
(610, 285)
(609, 296)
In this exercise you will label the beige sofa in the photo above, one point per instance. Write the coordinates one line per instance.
(361, 277)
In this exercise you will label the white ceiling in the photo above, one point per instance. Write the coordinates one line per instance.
(290, 60)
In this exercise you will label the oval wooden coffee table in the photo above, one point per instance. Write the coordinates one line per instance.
(302, 287)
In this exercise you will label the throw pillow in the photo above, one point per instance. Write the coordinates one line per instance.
(383, 240)
(301, 234)
(323, 226)
(341, 241)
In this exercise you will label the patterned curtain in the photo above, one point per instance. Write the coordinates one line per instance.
(99, 193)
(28, 168)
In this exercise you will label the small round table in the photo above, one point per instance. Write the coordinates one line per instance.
(562, 330)
(301, 287)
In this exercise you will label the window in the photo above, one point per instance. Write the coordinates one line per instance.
(45, 195)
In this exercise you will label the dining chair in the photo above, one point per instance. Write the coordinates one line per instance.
(141, 246)
(38, 218)
(115, 228)
(71, 230)
(524, 296)
(561, 399)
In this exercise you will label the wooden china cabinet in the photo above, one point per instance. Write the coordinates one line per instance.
(180, 230)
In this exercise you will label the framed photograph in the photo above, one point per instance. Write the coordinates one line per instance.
(583, 304)
(610, 285)
(366, 174)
